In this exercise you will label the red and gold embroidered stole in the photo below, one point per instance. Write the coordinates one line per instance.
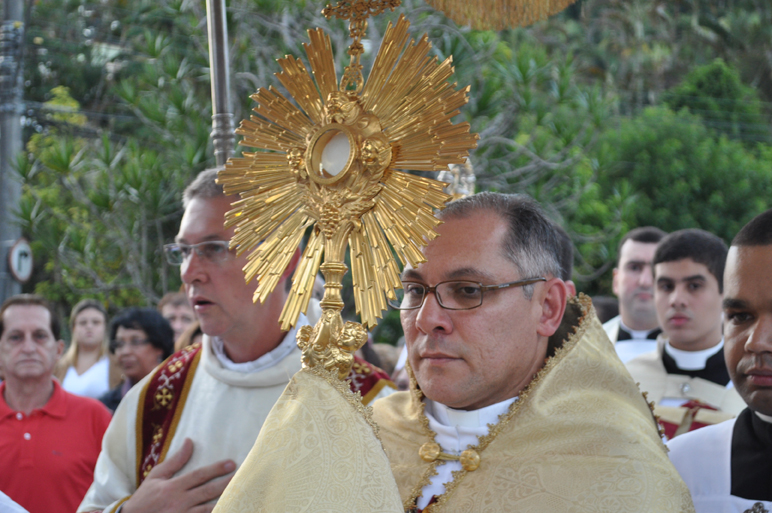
(160, 407)
(368, 380)
(163, 399)
(689, 416)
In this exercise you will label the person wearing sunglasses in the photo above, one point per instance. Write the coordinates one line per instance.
(140, 339)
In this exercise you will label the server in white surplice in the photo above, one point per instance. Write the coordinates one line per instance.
(728, 467)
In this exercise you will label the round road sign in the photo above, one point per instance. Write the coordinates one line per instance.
(20, 260)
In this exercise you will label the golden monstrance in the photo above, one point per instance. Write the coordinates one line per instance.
(333, 163)
(331, 160)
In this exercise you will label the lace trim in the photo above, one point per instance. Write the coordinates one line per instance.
(430, 472)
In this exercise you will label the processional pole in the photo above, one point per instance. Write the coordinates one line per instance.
(11, 92)
(223, 136)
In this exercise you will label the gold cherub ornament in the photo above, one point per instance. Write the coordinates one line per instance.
(332, 163)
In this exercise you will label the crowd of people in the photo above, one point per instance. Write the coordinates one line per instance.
(515, 397)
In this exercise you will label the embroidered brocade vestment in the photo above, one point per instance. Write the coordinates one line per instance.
(580, 438)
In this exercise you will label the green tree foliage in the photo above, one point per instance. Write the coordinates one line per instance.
(559, 107)
(642, 48)
(641, 51)
(716, 94)
(679, 174)
(99, 213)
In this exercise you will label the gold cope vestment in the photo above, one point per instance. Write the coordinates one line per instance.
(317, 451)
(580, 438)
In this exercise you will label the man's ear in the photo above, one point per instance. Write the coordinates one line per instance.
(59, 349)
(553, 303)
(614, 284)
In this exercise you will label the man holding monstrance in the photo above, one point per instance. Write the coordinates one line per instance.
(517, 401)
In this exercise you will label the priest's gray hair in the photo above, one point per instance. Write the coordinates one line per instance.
(204, 186)
(532, 243)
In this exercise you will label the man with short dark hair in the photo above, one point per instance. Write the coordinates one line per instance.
(636, 325)
(232, 379)
(686, 375)
(517, 401)
(728, 467)
(49, 438)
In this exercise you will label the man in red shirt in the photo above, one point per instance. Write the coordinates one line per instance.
(49, 439)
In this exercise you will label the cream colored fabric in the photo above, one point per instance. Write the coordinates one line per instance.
(222, 415)
(704, 460)
(649, 371)
(316, 452)
(611, 327)
(580, 439)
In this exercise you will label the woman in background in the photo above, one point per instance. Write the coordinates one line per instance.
(140, 339)
(85, 368)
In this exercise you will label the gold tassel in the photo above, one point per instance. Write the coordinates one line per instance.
(498, 14)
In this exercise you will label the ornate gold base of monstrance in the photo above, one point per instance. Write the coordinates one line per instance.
(332, 163)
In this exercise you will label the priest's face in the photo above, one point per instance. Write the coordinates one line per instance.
(216, 288)
(469, 359)
(748, 324)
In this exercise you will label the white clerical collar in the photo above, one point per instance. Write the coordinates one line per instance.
(636, 334)
(469, 419)
(765, 418)
(266, 361)
(455, 431)
(692, 360)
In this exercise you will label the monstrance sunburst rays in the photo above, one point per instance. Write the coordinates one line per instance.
(332, 162)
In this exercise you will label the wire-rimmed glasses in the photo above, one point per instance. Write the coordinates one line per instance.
(451, 295)
(214, 251)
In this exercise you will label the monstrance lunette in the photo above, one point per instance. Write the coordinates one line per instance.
(332, 163)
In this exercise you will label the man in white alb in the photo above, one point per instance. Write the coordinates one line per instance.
(686, 376)
(158, 455)
(635, 329)
(728, 467)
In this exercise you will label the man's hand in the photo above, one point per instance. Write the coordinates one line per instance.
(160, 492)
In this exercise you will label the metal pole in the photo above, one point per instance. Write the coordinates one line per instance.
(223, 137)
(11, 76)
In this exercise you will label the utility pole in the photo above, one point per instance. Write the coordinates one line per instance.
(223, 138)
(11, 76)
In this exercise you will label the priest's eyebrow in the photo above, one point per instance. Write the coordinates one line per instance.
(464, 273)
(731, 303)
(696, 278)
(470, 273)
(209, 238)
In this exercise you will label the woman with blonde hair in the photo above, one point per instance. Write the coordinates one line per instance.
(85, 368)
